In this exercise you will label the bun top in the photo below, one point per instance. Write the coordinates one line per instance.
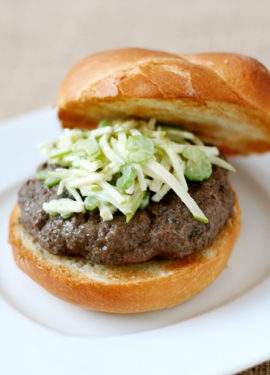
(224, 98)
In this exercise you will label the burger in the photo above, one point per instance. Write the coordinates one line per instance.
(133, 210)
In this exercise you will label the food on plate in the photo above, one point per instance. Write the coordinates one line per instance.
(132, 210)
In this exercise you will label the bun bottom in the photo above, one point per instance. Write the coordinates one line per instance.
(152, 285)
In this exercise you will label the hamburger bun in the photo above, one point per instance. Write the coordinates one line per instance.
(152, 285)
(224, 98)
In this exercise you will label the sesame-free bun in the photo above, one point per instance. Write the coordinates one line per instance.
(223, 97)
(151, 285)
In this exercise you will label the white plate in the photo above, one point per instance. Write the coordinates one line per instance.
(223, 330)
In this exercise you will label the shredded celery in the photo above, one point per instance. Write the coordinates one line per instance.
(127, 179)
(122, 165)
(90, 203)
(198, 166)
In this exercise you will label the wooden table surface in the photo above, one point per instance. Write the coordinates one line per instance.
(41, 40)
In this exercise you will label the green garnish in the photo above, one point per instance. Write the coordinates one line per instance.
(103, 123)
(52, 181)
(141, 148)
(90, 203)
(87, 146)
(59, 154)
(42, 175)
(122, 165)
(201, 219)
(66, 216)
(145, 200)
(135, 205)
(198, 166)
(127, 179)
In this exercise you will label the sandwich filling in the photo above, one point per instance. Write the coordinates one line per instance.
(126, 192)
(124, 164)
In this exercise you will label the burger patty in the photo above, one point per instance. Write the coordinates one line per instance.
(165, 229)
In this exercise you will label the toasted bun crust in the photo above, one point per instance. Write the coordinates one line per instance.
(224, 98)
(152, 285)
